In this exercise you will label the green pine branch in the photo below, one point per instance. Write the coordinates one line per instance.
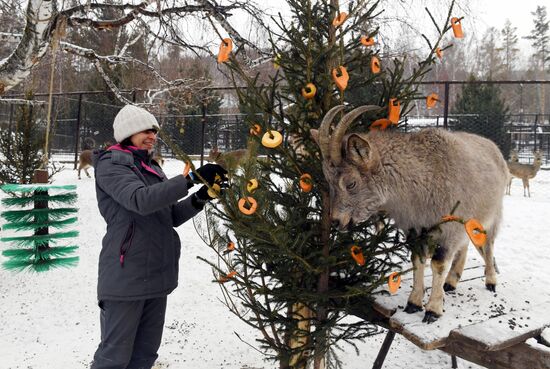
(41, 265)
(32, 225)
(66, 198)
(39, 240)
(25, 188)
(38, 215)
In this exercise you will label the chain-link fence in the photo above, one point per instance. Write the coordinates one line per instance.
(83, 120)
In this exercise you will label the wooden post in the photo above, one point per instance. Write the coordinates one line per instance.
(203, 129)
(77, 131)
(41, 176)
(453, 362)
(384, 350)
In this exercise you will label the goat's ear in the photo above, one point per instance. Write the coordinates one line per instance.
(315, 135)
(360, 152)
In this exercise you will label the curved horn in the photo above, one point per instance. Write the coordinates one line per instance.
(342, 127)
(324, 130)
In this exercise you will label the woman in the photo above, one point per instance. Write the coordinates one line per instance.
(138, 263)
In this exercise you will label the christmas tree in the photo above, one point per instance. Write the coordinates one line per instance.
(36, 251)
(282, 268)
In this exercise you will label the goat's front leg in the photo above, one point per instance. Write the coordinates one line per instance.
(414, 303)
(440, 266)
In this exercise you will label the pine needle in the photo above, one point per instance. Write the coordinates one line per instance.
(39, 215)
(38, 240)
(34, 187)
(66, 198)
(41, 265)
(27, 254)
(25, 226)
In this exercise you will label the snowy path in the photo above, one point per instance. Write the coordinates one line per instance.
(50, 321)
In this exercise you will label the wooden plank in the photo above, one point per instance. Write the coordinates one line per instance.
(506, 330)
(472, 304)
(523, 355)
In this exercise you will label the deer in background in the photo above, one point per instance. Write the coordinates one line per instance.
(230, 160)
(524, 171)
(416, 178)
(84, 162)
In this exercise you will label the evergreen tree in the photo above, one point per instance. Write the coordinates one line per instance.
(540, 40)
(509, 48)
(282, 268)
(482, 111)
(490, 58)
(21, 146)
(38, 251)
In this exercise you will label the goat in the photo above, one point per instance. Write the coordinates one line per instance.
(416, 178)
(84, 162)
(524, 171)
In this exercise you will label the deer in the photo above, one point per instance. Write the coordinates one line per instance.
(415, 179)
(524, 171)
(230, 160)
(84, 162)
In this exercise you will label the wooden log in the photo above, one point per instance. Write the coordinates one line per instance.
(520, 356)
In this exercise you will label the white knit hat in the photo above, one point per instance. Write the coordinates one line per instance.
(131, 120)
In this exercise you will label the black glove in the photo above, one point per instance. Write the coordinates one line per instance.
(211, 173)
(200, 198)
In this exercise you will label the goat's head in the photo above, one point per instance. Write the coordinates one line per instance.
(350, 165)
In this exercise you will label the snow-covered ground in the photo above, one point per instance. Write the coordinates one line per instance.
(50, 320)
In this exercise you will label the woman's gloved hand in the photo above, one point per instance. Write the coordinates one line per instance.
(211, 173)
(201, 197)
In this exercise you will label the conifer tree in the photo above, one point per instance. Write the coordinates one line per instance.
(482, 111)
(21, 145)
(282, 268)
(40, 211)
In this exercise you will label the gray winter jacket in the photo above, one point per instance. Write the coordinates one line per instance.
(141, 250)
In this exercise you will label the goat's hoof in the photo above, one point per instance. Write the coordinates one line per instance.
(430, 317)
(448, 287)
(412, 308)
(491, 287)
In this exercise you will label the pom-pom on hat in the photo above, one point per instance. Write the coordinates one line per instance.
(131, 120)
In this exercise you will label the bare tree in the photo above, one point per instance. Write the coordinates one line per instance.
(155, 23)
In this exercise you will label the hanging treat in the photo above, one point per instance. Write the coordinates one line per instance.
(367, 41)
(230, 246)
(431, 100)
(277, 61)
(380, 124)
(309, 91)
(375, 65)
(457, 27)
(475, 231)
(357, 255)
(394, 281)
(450, 218)
(256, 130)
(272, 139)
(225, 49)
(306, 183)
(339, 19)
(214, 191)
(252, 185)
(341, 80)
(394, 110)
(227, 277)
(248, 205)
(439, 53)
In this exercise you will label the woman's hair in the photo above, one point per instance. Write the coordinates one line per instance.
(127, 142)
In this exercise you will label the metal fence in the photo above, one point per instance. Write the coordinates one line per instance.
(83, 120)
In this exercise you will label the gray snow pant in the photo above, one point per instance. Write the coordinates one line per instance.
(131, 332)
